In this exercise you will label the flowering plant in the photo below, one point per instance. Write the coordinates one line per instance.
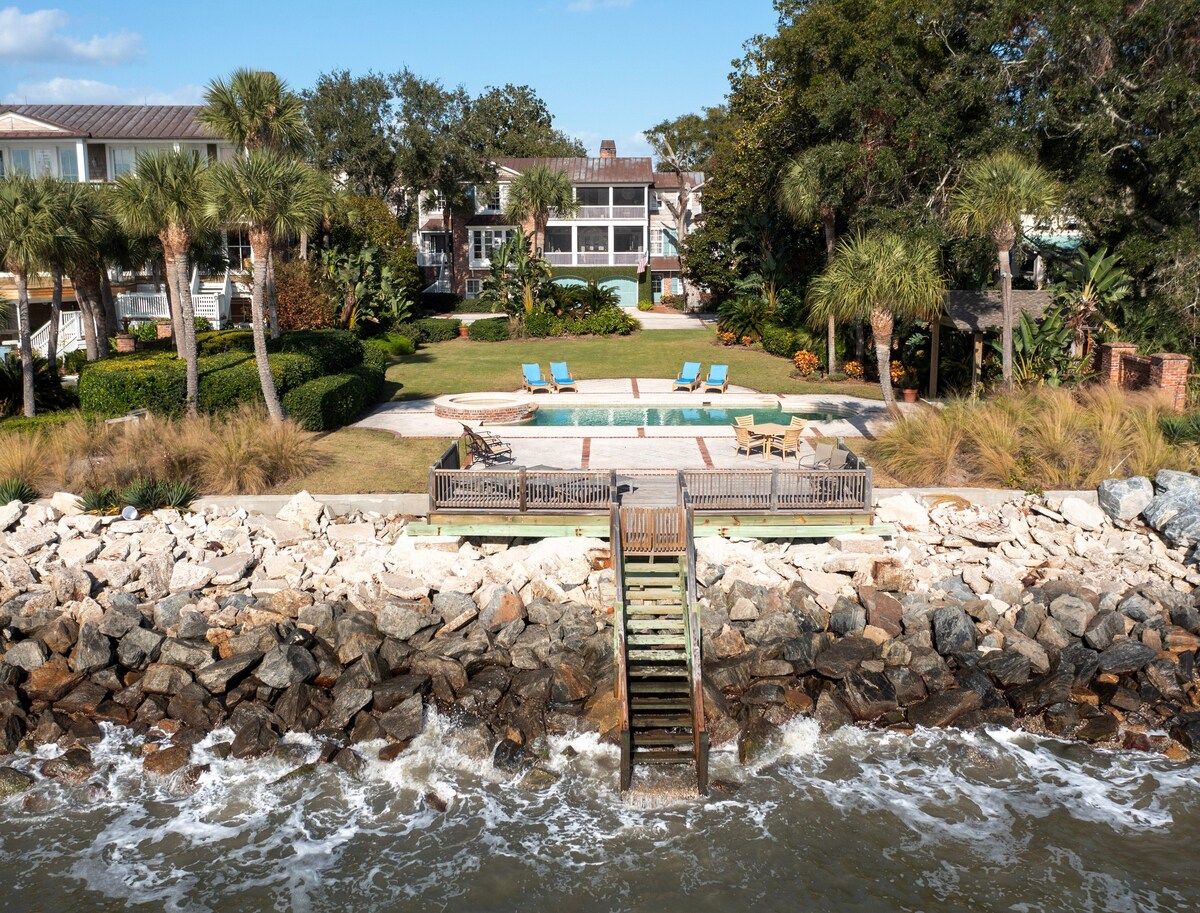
(897, 371)
(727, 339)
(853, 370)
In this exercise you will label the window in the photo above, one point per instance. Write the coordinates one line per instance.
(592, 196)
(68, 164)
(669, 247)
(238, 249)
(593, 238)
(653, 201)
(629, 196)
(656, 238)
(627, 239)
(487, 200)
(124, 158)
(21, 161)
(474, 287)
(558, 240)
(486, 240)
(1, 164)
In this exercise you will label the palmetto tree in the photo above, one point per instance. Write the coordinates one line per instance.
(536, 193)
(815, 186)
(880, 276)
(274, 196)
(255, 110)
(86, 212)
(990, 199)
(30, 234)
(165, 196)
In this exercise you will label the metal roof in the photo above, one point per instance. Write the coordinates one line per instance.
(112, 121)
(666, 180)
(979, 311)
(590, 170)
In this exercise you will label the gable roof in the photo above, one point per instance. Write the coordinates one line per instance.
(978, 311)
(589, 170)
(105, 122)
(668, 180)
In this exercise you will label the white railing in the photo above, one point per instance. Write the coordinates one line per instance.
(627, 258)
(70, 334)
(208, 304)
(629, 212)
(142, 305)
(593, 258)
(598, 259)
(431, 258)
(594, 212)
(560, 259)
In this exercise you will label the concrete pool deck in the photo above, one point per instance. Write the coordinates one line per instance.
(632, 447)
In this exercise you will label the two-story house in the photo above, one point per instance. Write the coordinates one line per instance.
(620, 235)
(97, 143)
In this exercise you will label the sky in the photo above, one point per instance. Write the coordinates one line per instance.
(607, 69)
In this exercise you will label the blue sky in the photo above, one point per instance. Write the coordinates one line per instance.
(607, 68)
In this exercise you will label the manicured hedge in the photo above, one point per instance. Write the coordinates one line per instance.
(220, 341)
(429, 329)
(391, 344)
(115, 386)
(227, 381)
(334, 350)
(609, 321)
(493, 329)
(328, 402)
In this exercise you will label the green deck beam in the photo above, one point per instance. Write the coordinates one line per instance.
(757, 527)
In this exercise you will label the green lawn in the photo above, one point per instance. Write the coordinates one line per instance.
(464, 365)
(362, 461)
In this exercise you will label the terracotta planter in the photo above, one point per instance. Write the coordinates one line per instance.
(125, 343)
(464, 331)
(163, 330)
(910, 396)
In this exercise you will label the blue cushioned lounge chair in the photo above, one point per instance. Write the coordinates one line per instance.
(561, 378)
(532, 379)
(689, 377)
(717, 379)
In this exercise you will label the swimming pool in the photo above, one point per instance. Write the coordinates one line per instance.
(650, 416)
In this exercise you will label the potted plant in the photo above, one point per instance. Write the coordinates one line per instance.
(908, 385)
(125, 341)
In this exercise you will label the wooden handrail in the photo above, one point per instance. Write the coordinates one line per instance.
(622, 676)
(691, 623)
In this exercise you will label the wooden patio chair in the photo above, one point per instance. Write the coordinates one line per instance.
(798, 422)
(747, 441)
(744, 421)
(789, 443)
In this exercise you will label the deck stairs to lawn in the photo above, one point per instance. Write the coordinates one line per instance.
(657, 629)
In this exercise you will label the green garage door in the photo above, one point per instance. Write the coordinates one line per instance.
(626, 289)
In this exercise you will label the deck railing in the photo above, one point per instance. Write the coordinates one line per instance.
(653, 530)
(521, 490)
(775, 490)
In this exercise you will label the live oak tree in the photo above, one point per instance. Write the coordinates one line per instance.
(352, 121)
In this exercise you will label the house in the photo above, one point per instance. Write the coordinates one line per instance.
(98, 143)
(622, 235)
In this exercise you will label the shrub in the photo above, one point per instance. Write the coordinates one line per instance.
(99, 501)
(495, 329)
(837, 376)
(49, 394)
(779, 341)
(115, 386)
(726, 339)
(202, 324)
(645, 305)
(220, 341)
(304, 302)
(144, 494)
(146, 331)
(373, 371)
(16, 489)
(328, 402)
(429, 329)
(334, 350)
(745, 317)
(678, 302)
(390, 344)
(72, 362)
(853, 369)
(806, 362)
(538, 324)
(607, 321)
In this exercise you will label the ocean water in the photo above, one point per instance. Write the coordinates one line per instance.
(854, 821)
(653, 416)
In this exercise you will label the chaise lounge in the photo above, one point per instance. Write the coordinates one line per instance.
(560, 377)
(532, 380)
(717, 380)
(689, 377)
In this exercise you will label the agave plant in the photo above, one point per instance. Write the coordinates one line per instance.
(99, 501)
(178, 495)
(144, 494)
(16, 490)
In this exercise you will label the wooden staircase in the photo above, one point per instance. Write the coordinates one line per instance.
(658, 642)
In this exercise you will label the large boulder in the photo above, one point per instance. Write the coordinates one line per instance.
(953, 630)
(1183, 529)
(904, 510)
(1124, 499)
(303, 510)
(1167, 504)
(1174, 480)
(1079, 512)
(286, 664)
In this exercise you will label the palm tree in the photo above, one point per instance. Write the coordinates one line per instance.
(87, 214)
(61, 199)
(30, 233)
(536, 193)
(255, 110)
(273, 196)
(165, 195)
(881, 276)
(814, 186)
(990, 199)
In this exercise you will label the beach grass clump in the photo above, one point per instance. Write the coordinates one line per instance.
(1047, 438)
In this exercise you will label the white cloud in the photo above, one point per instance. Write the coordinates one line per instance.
(61, 90)
(38, 36)
(588, 6)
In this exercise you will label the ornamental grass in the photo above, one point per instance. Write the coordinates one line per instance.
(1037, 440)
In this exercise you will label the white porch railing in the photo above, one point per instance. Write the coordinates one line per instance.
(629, 212)
(70, 334)
(208, 304)
(594, 258)
(142, 306)
(560, 259)
(431, 258)
(593, 212)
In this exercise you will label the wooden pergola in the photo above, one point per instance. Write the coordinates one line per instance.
(977, 312)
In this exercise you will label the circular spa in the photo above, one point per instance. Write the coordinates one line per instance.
(484, 407)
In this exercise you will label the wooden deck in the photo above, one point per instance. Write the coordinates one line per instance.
(537, 503)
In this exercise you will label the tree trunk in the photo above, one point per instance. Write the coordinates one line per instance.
(55, 318)
(110, 306)
(272, 301)
(1006, 329)
(85, 294)
(259, 244)
(881, 328)
(304, 244)
(173, 283)
(860, 342)
(187, 332)
(829, 224)
(26, 345)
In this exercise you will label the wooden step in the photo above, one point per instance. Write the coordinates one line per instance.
(654, 624)
(647, 688)
(665, 655)
(661, 737)
(656, 640)
(658, 672)
(668, 721)
(641, 578)
(655, 595)
(654, 704)
(655, 609)
(661, 756)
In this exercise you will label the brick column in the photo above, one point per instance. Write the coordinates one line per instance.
(1169, 372)
(1111, 353)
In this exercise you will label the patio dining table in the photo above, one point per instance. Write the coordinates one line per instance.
(769, 431)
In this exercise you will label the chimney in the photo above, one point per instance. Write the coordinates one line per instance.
(608, 149)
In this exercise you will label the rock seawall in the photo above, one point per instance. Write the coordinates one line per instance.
(1042, 615)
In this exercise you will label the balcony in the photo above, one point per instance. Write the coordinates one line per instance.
(594, 258)
(595, 213)
(432, 257)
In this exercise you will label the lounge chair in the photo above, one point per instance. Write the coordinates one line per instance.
(788, 443)
(560, 377)
(747, 441)
(689, 377)
(532, 380)
(485, 450)
(717, 380)
(819, 459)
(484, 435)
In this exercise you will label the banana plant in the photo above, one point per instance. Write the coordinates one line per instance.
(1092, 292)
(1042, 350)
(367, 285)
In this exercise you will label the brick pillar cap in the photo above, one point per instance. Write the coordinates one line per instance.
(1170, 356)
(1117, 345)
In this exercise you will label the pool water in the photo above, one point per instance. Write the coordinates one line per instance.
(649, 416)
